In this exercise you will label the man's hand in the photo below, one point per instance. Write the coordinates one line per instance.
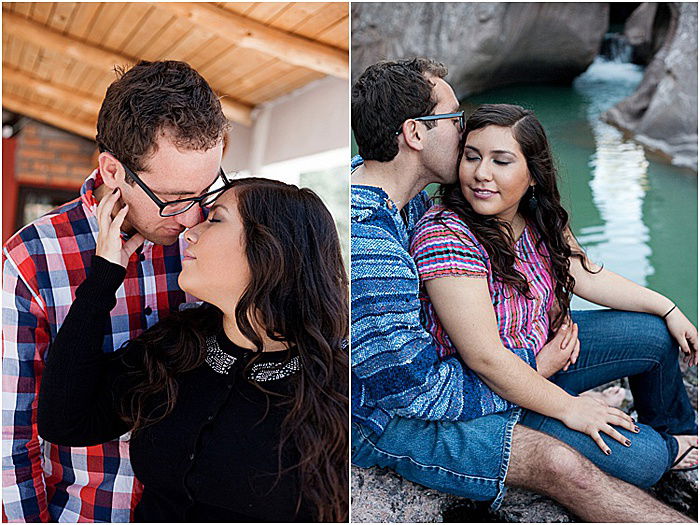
(109, 242)
(561, 352)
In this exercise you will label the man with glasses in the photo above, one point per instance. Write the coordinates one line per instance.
(412, 411)
(160, 133)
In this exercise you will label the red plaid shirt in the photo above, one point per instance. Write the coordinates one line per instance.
(42, 265)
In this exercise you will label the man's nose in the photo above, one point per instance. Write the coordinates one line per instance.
(191, 217)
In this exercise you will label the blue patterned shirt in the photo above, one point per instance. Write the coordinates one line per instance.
(395, 365)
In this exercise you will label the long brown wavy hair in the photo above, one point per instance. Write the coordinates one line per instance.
(299, 294)
(548, 216)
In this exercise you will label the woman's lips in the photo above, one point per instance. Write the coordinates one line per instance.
(481, 193)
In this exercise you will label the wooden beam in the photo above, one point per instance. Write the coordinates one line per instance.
(251, 34)
(60, 94)
(49, 115)
(38, 34)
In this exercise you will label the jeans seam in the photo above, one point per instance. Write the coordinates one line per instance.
(590, 367)
(505, 458)
(438, 467)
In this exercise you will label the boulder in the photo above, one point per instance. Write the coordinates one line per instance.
(662, 114)
(484, 45)
(646, 30)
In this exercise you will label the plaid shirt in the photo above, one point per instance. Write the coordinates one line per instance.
(42, 265)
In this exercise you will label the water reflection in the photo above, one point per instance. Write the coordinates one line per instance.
(619, 177)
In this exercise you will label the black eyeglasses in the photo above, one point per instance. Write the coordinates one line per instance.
(176, 207)
(459, 116)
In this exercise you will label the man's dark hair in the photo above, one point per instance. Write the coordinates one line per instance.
(156, 98)
(384, 96)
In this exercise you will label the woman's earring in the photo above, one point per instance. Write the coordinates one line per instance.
(532, 203)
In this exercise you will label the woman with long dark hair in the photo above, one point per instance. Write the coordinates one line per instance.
(237, 408)
(498, 264)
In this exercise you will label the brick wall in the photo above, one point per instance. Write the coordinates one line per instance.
(50, 157)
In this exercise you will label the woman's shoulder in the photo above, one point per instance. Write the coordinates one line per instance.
(440, 220)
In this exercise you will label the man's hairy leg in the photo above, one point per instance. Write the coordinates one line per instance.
(543, 464)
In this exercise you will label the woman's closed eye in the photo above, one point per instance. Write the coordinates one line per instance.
(501, 162)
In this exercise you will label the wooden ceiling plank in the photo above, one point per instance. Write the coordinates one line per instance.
(234, 63)
(144, 41)
(254, 35)
(237, 7)
(322, 20)
(106, 24)
(182, 46)
(41, 11)
(100, 59)
(171, 34)
(206, 53)
(60, 94)
(126, 25)
(62, 15)
(20, 8)
(262, 84)
(297, 14)
(269, 93)
(83, 20)
(265, 11)
(207, 66)
(239, 69)
(337, 35)
(49, 115)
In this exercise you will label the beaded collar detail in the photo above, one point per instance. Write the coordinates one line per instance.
(221, 363)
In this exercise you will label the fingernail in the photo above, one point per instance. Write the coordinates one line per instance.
(636, 429)
(628, 443)
(608, 452)
(115, 190)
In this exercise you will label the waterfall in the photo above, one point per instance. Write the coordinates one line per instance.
(616, 48)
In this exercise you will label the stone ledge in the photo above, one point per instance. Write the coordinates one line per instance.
(381, 496)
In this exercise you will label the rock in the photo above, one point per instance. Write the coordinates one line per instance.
(680, 491)
(484, 45)
(381, 496)
(662, 114)
(646, 30)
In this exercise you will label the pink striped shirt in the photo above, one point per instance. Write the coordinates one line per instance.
(445, 246)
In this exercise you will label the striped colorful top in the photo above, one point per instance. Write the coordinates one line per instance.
(443, 245)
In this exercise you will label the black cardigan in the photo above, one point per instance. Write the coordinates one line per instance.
(213, 458)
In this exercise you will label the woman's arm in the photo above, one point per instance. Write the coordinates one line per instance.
(76, 401)
(464, 307)
(609, 289)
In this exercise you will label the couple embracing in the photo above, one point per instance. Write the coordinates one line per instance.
(470, 372)
(174, 340)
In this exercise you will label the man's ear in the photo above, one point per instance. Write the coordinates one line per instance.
(413, 135)
(111, 170)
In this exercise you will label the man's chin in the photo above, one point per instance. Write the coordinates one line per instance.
(163, 239)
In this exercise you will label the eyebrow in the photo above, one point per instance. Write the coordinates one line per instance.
(217, 205)
(185, 193)
(492, 151)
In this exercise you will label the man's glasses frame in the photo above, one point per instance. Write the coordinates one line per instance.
(458, 115)
(210, 196)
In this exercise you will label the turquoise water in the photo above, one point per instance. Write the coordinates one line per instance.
(636, 215)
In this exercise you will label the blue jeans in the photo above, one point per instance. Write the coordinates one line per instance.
(616, 344)
(470, 459)
(466, 458)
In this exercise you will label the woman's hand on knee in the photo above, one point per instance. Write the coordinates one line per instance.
(591, 417)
